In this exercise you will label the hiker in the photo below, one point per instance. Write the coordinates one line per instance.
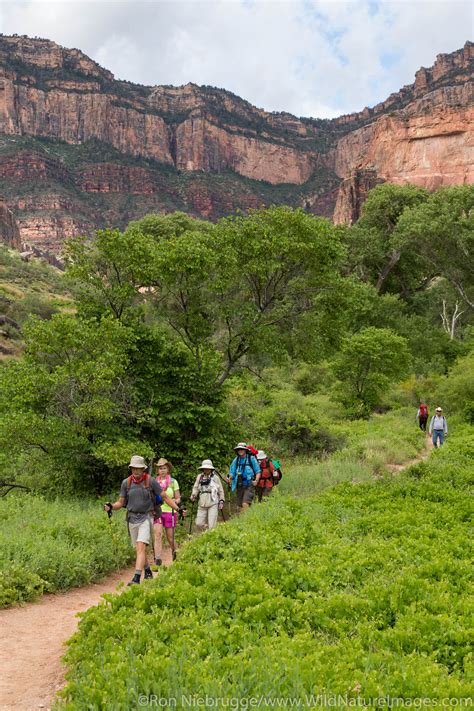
(167, 519)
(244, 475)
(422, 415)
(210, 494)
(438, 427)
(138, 494)
(269, 475)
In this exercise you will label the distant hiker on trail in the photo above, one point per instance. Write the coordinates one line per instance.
(210, 494)
(269, 475)
(438, 427)
(138, 495)
(167, 519)
(422, 415)
(244, 475)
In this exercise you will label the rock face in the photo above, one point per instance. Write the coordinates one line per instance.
(80, 150)
(9, 232)
(352, 195)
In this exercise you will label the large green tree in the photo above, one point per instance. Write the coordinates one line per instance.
(376, 252)
(440, 231)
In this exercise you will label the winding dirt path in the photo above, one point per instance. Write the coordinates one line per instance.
(33, 641)
(424, 454)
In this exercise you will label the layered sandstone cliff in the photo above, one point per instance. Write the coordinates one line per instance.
(80, 150)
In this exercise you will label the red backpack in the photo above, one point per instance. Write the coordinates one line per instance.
(423, 410)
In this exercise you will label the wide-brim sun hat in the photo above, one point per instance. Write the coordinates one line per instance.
(162, 462)
(137, 462)
(439, 409)
(261, 454)
(207, 464)
(241, 445)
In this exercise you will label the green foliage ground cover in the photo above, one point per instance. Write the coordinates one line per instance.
(55, 545)
(364, 590)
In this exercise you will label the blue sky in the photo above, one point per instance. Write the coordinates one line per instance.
(308, 57)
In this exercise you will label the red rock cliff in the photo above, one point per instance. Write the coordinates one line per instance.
(116, 150)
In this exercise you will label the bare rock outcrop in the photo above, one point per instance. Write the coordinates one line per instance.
(9, 231)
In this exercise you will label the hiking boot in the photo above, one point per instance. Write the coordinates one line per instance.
(174, 555)
(135, 580)
(148, 574)
(157, 561)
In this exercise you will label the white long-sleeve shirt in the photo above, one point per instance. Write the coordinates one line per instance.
(438, 423)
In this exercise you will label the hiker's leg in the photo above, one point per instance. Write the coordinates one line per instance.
(143, 539)
(170, 537)
(441, 438)
(239, 494)
(201, 517)
(141, 556)
(265, 493)
(212, 514)
(248, 495)
(158, 529)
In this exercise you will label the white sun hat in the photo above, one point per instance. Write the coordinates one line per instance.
(207, 464)
(137, 462)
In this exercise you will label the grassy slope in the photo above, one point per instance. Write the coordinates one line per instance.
(28, 289)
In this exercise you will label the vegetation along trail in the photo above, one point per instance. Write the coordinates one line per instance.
(33, 639)
(34, 635)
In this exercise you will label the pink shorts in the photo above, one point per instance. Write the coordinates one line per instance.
(167, 519)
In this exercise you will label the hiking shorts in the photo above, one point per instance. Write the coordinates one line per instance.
(167, 519)
(140, 532)
(245, 494)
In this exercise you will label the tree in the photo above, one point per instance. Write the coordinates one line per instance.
(276, 263)
(64, 397)
(441, 232)
(377, 254)
(226, 288)
(368, 363)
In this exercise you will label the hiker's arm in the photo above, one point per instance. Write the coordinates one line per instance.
(116, 505)
(168, 500)
(221, 491)
(177, 496)
(195, 490)
(257, 474)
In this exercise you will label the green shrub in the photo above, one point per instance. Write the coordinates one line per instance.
(60, 545)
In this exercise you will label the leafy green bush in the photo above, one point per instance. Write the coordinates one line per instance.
(363, 590)
(58, 546)
(367, 364)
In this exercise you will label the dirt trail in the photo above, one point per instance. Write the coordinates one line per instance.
(33, 638)
(395, 468)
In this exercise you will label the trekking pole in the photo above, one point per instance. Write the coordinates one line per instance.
(223, 517)
(150, 466)
(224, 481)
(191, 518)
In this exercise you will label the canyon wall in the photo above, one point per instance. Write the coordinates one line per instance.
(81, 150)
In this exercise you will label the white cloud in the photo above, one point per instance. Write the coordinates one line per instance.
(309, 57)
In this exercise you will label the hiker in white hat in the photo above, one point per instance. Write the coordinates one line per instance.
(138, 494)
(244, 474)
(209, 491)
(438, 427)
(269, 475)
